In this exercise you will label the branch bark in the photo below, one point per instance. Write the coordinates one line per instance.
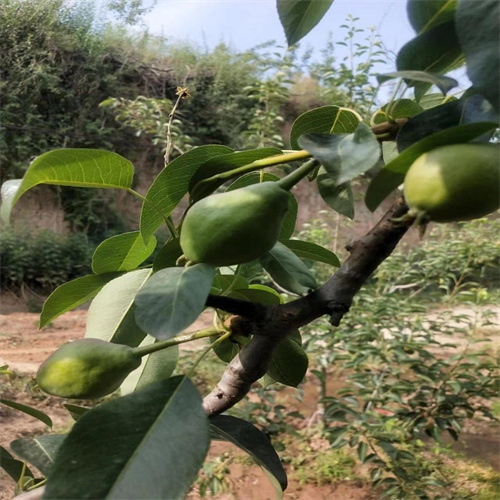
(274, 323)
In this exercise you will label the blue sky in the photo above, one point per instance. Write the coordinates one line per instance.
(246, 23)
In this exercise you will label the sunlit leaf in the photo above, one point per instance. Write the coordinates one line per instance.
(123, 252)
(171, 185)
(324, 120)
(111, 315)
(72, 294)
(91, 168)
(221, 164)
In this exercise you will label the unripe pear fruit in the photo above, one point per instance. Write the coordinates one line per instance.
(454, 183)
(236, 226)
(86, 369)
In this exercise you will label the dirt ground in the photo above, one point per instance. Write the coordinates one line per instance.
(23, 347)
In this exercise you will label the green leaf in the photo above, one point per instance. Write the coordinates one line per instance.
(344, 157)
(254, 442)
(288, 363)
(402, 108)
(427, 14)
(40, 415)
(429, 122)
(434, 51)
(72, 294)
(263, 295)
(123, 252)
(469, 109)
(172, 299)
(389, 151)
(265, 299)
(299, 17)
(76, 411)
(226, 350)
(479, 36)
(221, 164)
(336, 434)
(311, 251)
(39, 451)
(91, 168)
(268, 290)
(287, 270)
(171, 185)
(149, 444)
(392, 175)
(362, 450)
(250, 270)
(14, 468)
(429, 101)
(339, 198)
(326, 120)
(111, 315)
(444, 83)
(290, 219)
(223, 282)
(154, 367)
(168, 255)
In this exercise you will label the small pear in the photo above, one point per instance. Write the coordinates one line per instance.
(454, 183)
(86, 369)
(236, 226)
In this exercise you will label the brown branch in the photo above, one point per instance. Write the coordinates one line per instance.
(333, 298)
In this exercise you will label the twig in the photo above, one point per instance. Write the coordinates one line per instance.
(182, 93)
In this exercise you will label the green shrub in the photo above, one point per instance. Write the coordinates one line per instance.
(42, 261)
(450, 258)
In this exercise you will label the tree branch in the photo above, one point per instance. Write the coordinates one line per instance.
(333, 298)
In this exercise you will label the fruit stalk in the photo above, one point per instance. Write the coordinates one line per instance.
(297, 175)
(181, 339)
(258, 165)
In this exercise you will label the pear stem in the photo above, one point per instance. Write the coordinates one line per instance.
(297, 175)
(181, 339)
(257, 165)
